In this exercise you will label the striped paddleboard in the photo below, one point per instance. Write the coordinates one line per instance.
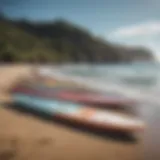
(80, 114)
(79, 96)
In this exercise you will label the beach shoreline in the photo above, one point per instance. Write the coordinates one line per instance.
(25, 136)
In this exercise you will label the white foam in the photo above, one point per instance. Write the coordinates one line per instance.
(140, 95)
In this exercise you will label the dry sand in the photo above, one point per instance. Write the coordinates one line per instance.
(27, 137)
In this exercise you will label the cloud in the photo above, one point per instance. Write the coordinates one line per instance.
(154, 46)
(145, 29)
(145, 34)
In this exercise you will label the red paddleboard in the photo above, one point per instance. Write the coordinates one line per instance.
(94, 98)
(76, 96)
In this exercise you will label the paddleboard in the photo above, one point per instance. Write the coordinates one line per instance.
(80, 114)
(76, 96)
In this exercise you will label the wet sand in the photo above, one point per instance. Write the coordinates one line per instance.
(26, 136)
(151, 137)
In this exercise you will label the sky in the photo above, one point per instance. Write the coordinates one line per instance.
(130, 22)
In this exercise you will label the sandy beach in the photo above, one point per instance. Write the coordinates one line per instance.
(24, 136)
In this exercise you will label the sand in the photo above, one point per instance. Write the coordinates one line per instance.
(24, 136)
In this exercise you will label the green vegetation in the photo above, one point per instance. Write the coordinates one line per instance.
(58, 42)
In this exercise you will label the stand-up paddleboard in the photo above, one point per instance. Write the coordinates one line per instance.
(51, 77)
(95, 98)
(76, 96)
(51, 81)
(80, 114)
(50, 86)
(42, 87)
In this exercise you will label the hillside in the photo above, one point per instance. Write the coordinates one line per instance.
(59, 41)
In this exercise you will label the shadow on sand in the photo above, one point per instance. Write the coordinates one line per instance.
(118, 136)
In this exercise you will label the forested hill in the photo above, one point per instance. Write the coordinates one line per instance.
(59, 41)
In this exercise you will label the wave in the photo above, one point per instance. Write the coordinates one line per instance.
(107, 82)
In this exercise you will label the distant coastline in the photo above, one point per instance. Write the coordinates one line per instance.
(60, 42)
